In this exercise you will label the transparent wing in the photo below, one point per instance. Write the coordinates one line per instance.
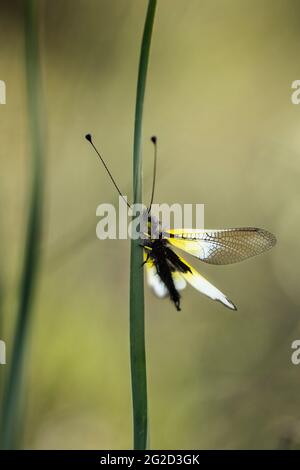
(222, 246)
(202, 285)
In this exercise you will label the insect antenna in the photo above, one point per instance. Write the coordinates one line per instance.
(90, 140)
(154, 141)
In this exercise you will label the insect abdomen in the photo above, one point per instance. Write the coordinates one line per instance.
(164, 272)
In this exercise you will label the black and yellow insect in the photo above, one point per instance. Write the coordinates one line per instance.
(168, 273)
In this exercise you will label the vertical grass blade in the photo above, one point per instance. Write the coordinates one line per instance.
(11, 409)
(137, 322)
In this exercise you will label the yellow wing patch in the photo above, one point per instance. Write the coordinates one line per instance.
(180, 280)
(155, 282)
(205, 287)
(222, 246)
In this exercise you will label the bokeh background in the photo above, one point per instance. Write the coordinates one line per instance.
(219, 99)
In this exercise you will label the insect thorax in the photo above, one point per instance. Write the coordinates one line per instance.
(152, 227)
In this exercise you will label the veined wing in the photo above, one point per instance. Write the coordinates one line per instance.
(205, 287)
(224, 246)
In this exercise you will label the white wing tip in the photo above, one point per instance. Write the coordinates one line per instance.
(228, 303)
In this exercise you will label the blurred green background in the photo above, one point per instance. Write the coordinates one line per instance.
(219, 99)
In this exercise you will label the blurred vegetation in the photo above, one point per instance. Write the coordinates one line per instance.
(11, 407)
(218, 97)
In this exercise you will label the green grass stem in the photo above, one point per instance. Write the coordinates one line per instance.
(137, 319)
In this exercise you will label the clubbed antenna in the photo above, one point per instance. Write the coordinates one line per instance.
(90, 140)
(154, 141)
